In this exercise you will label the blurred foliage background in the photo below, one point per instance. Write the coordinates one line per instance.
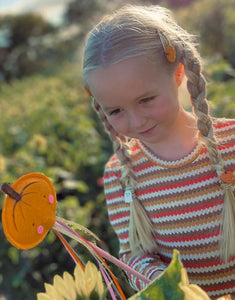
(47, 124)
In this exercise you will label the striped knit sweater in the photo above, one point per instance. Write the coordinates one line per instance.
(184, 200)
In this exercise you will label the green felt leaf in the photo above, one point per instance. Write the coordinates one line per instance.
(165, 286)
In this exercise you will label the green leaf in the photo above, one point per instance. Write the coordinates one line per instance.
(165, 286)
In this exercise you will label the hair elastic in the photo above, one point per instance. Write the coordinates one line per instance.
(88, 92)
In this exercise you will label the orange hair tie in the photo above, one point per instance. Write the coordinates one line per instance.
(88, 92)
(227, 177)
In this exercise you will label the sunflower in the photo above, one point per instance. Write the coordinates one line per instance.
(84, 285)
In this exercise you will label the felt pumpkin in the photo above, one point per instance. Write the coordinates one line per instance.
(29, 210)
(227, 177)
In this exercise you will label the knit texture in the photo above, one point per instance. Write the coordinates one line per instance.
(184, 200)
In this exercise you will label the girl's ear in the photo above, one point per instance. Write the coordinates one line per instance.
(179, 74)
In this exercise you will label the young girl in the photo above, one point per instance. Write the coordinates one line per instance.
(170, 184)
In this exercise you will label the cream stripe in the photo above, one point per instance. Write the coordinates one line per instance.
(120, 220)
(193, 187)
(182, 230)
(191, 243)
(212, 269)
(189, 215)
(216, 280)
(212, 254)
(184, 202)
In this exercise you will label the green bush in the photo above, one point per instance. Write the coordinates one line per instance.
(47, 126)
(214, 23)
(221, 87)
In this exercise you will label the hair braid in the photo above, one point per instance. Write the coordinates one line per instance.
(141, 230)
(197, 88)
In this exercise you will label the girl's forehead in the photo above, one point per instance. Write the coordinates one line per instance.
(130, 79)
(131, 71)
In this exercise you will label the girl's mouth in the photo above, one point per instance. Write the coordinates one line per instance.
(148, 131)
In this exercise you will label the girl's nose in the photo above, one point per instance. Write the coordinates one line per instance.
(136, 120)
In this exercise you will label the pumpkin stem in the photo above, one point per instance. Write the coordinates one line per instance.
(7, 189)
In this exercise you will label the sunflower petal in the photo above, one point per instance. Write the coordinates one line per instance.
(91, 277)
(69, 286)
(51, 291)
(80, 281)
(43, 296)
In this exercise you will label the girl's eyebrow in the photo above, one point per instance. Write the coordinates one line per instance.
(146, 94)
(107, 108)
(141, 96)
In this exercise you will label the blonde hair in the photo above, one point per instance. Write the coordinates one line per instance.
(136, 31)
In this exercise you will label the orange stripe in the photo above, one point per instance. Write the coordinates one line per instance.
(70, 250)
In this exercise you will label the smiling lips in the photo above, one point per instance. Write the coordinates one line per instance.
(148, 131)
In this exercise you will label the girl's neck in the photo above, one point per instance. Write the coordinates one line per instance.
(181, 141)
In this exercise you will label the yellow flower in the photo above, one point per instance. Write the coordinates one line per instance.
(88, 281)
(81, 286)
(191, 291)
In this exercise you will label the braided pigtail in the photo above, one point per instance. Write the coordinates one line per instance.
(141, 231)
(197, 89)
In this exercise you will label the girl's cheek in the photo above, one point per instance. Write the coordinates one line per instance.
(161, 109)
(120, 125)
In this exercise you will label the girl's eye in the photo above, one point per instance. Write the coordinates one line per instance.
(115, 112)
(145, 100)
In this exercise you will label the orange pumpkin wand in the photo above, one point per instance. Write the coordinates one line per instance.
(29, 212)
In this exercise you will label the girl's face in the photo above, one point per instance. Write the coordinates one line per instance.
(139, 99)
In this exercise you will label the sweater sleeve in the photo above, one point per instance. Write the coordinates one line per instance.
(119, 216)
